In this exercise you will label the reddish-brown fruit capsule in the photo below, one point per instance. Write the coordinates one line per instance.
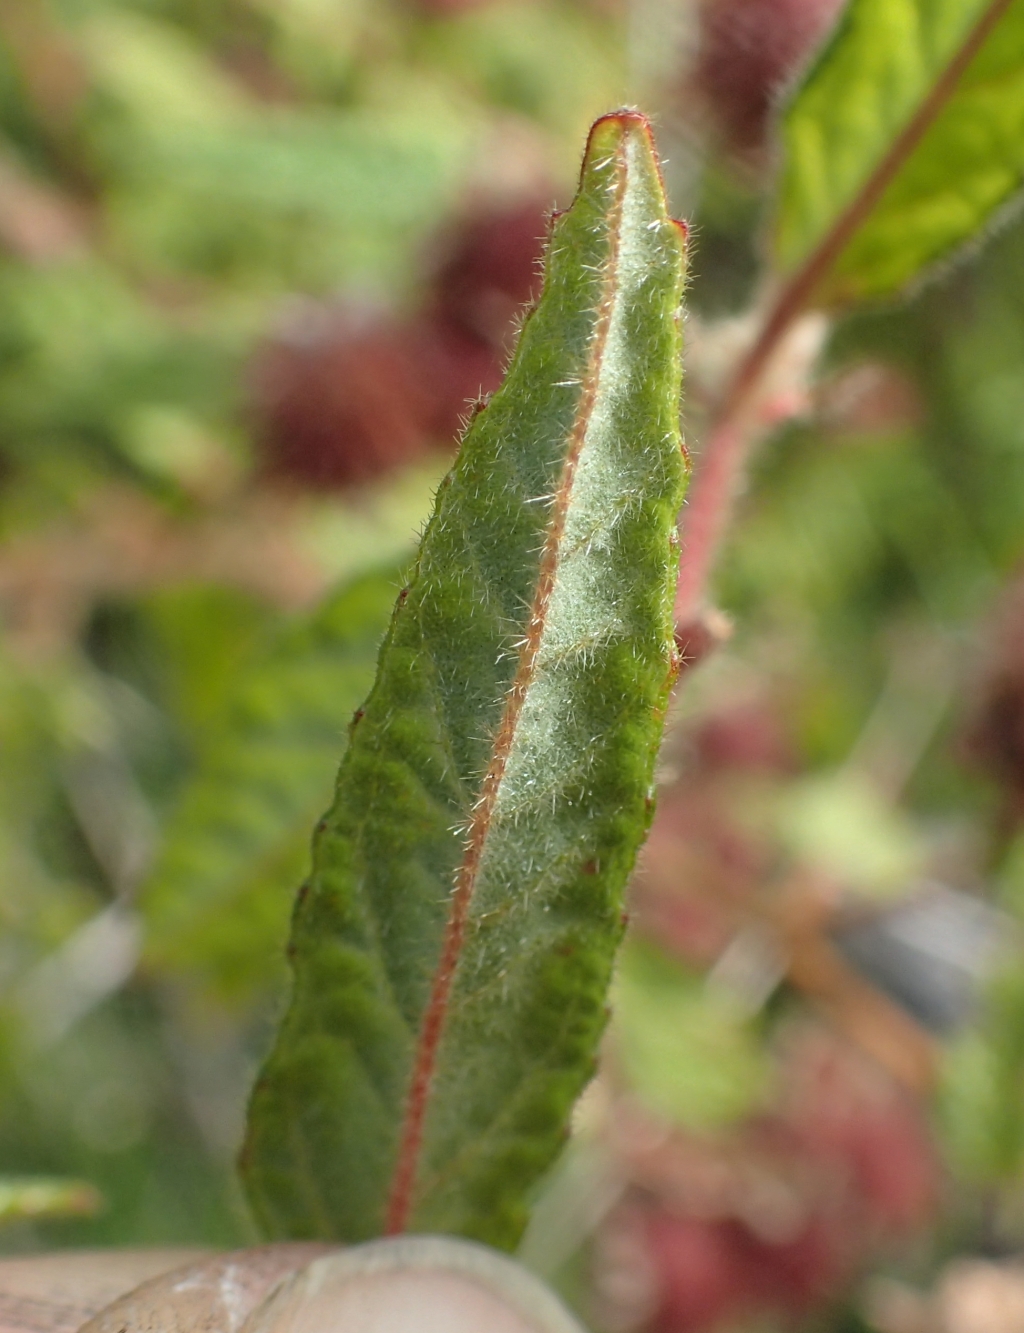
(843, 1163)
(461, 371)
(748, 51)
(341, 398)
(748, 736)
(491, 271)
(709, 1272)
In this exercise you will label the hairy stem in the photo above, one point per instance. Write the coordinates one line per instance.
(737, 423)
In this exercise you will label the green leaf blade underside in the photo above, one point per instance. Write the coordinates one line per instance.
(217, 902)
(904, 140)
(453, 948)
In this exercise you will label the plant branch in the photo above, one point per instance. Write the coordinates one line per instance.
(738, 422)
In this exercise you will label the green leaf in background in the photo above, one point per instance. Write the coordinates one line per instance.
(453, 947)
(980, 1095)
(686, 1050)
(903, 141)
(200, 158)
(29, 1197)
(980, 1106)
(217, 902)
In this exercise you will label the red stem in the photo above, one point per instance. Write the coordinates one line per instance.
(720, 467)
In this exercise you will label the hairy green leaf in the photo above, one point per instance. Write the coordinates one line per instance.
(903, 141)
(217, 902)
(453, 946)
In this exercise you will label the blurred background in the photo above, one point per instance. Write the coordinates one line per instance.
(256, 259)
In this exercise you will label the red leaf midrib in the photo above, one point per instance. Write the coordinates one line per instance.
(403, 1185)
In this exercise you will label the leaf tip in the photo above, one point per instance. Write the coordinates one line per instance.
(608, 135)
(610, 130)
